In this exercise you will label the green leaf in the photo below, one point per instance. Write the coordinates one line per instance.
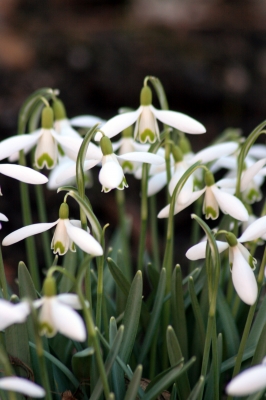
(133, 386)
(165, 379)
(257, 326)
(197, 313)
(118, 380)
(79, 361)
(25, 282)
(197, 389)
(131, 317)
(154, 318)
(118, 276)
(175, 355)
(260, 351)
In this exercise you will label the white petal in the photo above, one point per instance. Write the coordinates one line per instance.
(70, 299)
(118, 123)
(3, 217)
(138, 156)
(179, 121)
(257, 151)
(70, 171)
(26, 231)
(248, 382)
(83, 239)
(15, 143)
(198, 251)
(213, 152)
(111, 175)
(68, 322)
(12, 313)
(21, 385)
(243, 278)
(230, 204)
(86, 121)
(254, 230)
(23, 174)
(249, 174)
(164, 213)
(156, 183)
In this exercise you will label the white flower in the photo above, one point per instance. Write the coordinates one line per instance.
(241, 262)
(12, 313)
(249, 381)
(57, 314)
(21, 385)
(146, 116)
(23, 174)
(65, 234)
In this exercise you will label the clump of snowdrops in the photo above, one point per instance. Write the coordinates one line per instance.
(85, 329)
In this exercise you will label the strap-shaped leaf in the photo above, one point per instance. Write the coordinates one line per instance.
(79, 361)
(118, 276)
(196, 390)
(197, 313)
(133, 386)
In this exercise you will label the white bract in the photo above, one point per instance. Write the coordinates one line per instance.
(241, 261)
(21, 385)
(66, 232)
(249, 381)
(146, 128)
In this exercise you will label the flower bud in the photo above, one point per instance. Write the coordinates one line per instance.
(59, 110)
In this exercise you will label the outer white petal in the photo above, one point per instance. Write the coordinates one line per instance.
(254, 230)
(118, 123)
(247, 382)
(86, 121)
(70, 171)
(26, 231)
(243, 278)
(164, 213)
(15, 143)
(138, 156)
(68, 322)
(257, 151)
(3, 217)
(230, 204)
(179, 121)
(23, 174)
(213, 152)
(111, 175)
(156, 183)
(70, 299)
(21, 385)
(12, 313)
(83, 239)
(198, 251)
(249, 174)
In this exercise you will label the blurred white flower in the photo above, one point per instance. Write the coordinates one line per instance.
(21, 385)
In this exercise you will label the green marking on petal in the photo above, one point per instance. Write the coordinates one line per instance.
(147, 136)
(46, 329)
(73, 247)
(127, 166)
(210, 213)
(252, 261)
(253, 195)
(59, 248)
(45, 161)
(123, 184)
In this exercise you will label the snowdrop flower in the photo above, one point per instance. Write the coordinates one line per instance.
(2, 218)
(57, 314)
(21, 385)
(241, 262)
(12, 313)
(65, 234)
(146, 129)
(23, 174)
(214, 199)
(249, 381)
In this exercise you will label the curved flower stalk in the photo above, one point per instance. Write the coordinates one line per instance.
(12, 313)
(57, 314)
(21, 385)
(146, 128)
(65, 234)
(241, 261)
(215, 198)
(249, 381)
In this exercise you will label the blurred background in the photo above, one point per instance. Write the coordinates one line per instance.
(210, 56)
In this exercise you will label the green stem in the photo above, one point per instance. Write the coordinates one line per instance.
(154, 234)
(92, 335)
(3, 277)
(144, 216)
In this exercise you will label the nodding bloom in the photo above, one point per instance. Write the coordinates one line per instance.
(214, 199)
(57, 314)
(111, 174)
(21, 385)
(67, 233)
(241, 261)
(249, 381)
(146, 128)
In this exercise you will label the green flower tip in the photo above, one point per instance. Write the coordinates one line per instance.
(231, 239)
(59, 110)
(49, 287)
(47, 118)
(145, 96)
(64, 211)
(209, 178)
(184, 145)
(177, 154)
(106, 146)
